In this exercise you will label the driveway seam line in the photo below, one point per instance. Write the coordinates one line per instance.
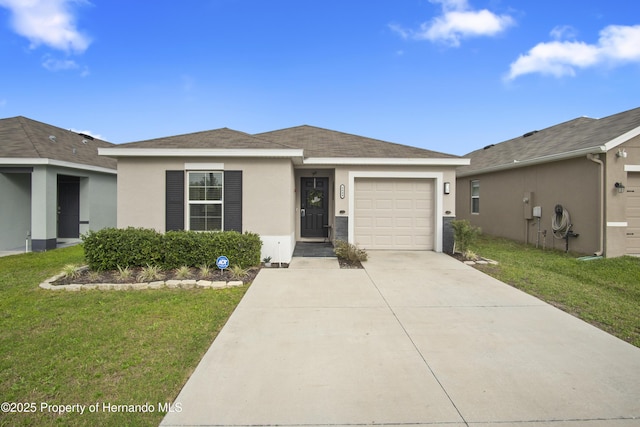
(417, 349)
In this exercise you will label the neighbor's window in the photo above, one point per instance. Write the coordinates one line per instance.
(205, 201)
(475, 196)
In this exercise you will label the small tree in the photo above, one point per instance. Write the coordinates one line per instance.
(464, 234)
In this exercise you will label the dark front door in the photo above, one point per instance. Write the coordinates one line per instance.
(314, 207)
(68, 206)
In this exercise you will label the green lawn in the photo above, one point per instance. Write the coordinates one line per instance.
(139, 347)
(603, 292)
(98, 347)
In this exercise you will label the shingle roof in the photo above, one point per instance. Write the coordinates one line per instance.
(21, 137)
(318, 142)
(217, 138)
(573, 136)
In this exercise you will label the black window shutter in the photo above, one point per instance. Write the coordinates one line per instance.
(174, 214)
(233, 201)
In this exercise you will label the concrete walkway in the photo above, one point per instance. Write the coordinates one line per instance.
(415, 339)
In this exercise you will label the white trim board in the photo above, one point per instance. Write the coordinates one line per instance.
(52, 162)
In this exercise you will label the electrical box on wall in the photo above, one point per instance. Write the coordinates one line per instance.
(527, 204)
(537, 211)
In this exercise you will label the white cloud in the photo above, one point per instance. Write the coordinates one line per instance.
(53, 64)
(617, 44)
(458, 21)
(563, 32)
(48, 22)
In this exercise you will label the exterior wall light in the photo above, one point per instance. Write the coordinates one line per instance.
(622, 153)
(447, 187)
(620, 187)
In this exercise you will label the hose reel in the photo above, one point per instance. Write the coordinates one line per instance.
(562, 226)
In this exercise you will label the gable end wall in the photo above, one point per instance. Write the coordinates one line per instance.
(573, 183)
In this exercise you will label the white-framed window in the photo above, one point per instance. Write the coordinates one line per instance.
(475, 196)
(205, 200)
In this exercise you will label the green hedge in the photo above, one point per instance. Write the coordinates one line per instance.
(109, 248)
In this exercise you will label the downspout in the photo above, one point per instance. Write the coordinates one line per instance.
(597, 160)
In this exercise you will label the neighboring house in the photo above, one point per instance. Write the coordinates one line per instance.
(53, 183)
(297, 184)
(589, 166)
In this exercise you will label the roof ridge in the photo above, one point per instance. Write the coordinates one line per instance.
(335, 133)
(201, 132)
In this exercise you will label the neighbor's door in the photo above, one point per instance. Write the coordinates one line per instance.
(314, 207)
(68, 206)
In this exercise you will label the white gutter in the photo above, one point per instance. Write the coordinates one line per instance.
(24, 161)
(198, 152)
(382, 161)
(535, 161)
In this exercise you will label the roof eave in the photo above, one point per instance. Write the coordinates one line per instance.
(535, 161)
(29, 161)
(622, 138)
(386, 161)
(199, 152)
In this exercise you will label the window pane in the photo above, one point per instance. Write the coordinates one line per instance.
(214, 179)
(214, 210)
(196, 193)
(214, 194)
(214, 224)
(205, 217)
(196, 179)
(205, 186)
(197, 224)
(475, 205)
(197, 210)
(475, 188)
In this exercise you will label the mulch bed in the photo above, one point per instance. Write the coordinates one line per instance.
(86, 276)
(345, 263)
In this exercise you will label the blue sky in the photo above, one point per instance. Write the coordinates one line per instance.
(447, 75)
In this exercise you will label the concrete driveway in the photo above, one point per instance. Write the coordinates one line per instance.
(414, 339)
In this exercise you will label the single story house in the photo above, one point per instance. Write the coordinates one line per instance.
(589, 167)
(54, 185)
(297, 184)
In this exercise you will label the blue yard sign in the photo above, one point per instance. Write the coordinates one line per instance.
(222, 262)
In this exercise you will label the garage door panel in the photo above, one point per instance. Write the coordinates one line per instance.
(384, 204)
(403, 223)
(363, 204)
(404, 204)
(394, 213)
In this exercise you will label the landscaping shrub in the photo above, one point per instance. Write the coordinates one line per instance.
(349, 251)
(195, 249)
(465, 234)
(112, 248)
(184, 248)
(109, 248)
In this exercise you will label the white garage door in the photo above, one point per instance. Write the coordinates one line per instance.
(633, 213)
(394, 213)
